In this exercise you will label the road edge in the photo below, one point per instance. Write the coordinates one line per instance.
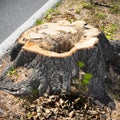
(9, 42)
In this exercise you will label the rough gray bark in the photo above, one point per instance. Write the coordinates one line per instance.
(115, 61)
(52, 73)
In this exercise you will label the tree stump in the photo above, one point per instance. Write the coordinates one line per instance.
(46, 57)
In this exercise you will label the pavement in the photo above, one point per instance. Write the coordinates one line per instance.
(13, 13)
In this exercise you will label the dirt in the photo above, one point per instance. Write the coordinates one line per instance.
(10, 107)
(19, 74)
(103, 14)
(4, 62)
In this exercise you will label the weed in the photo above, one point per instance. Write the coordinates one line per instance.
(77, 11)
(70, 20)
(39, 22)
(48, 15)
(12, 71)
(86, 79)
(87, 5)
(81, 64)
(87, 76)
(35, 91)
(29, 115)
(51, 10)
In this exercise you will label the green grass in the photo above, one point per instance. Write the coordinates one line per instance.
(70, 20)
(39, 22)
(29, 115)
(86, 79)
(81, 64)
(51, 10)
(109, 30)
(87, 5)
(77, 11)
(100, 15)
(48, 14)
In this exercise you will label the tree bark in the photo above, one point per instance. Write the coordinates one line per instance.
(51, 52)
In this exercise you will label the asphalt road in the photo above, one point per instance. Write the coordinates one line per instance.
(14, 13)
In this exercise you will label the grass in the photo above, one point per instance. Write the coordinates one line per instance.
(70, 20)
(109, 30)
(87, 5)
(39, 22)
(51, 12)
(115, 9)
(77, 11)
(48, 14)
(100, 15)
